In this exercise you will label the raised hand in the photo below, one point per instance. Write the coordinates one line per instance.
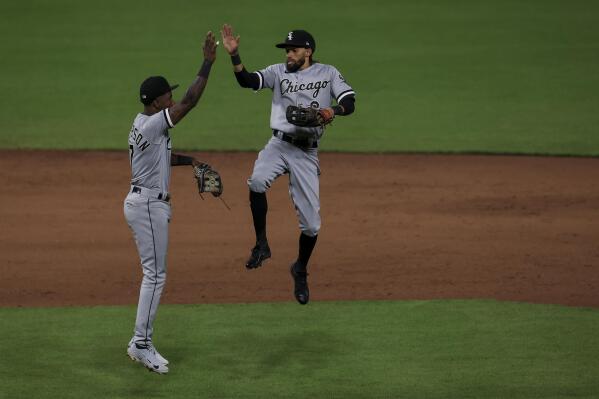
(210, 47)
(230, 42)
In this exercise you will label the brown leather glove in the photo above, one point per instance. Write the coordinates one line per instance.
(208, 179)
(309, 117)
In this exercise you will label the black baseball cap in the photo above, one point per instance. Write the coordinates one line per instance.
(298, 38)
(153, 87)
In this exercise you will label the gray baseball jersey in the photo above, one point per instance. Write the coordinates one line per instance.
(150, 151)
(148, 211)
(315, 86)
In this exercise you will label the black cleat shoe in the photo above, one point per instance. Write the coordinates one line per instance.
(259, 254)
(300, 280)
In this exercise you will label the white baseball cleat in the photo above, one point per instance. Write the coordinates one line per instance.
(147, 358)
(160, 358)
(152, 349)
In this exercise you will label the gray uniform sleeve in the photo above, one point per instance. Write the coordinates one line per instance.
(268, 77)
(339, 87)
(157, 125)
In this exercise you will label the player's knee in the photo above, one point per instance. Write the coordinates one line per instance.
(152, 278)
(154, 275)
(161, 276)
(257, 185)
(311, 230)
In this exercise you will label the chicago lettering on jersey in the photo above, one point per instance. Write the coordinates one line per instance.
(137, 139)
(288, 86)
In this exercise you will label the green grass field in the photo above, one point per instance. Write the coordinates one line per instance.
(410, 349)
(431, 76)
(465, 76)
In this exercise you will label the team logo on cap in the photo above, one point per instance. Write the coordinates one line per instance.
(290, 36)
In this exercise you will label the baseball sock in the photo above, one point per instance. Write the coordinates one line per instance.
(306, 245)
(259, 207)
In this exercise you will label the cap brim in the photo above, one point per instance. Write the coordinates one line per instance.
(173, 87)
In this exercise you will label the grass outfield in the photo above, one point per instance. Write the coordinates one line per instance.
(411, 349)
(466, 76)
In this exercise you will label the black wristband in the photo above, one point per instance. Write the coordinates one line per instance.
(236, 59)
(205, 69)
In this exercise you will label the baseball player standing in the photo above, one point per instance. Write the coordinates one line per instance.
(147, 205)
(292, 149)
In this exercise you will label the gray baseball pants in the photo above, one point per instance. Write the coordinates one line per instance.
(148, 218)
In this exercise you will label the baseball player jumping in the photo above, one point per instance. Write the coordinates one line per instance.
(299, 85)
(147, 205)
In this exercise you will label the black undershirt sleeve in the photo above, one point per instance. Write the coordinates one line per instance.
(178, 159)
(348, 105)
(246, 79)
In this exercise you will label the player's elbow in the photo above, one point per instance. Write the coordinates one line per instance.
(247, 80)
(190, 101)
(348, 104)
(247, 85)
(349, 109)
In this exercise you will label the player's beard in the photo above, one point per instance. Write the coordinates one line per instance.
(291, 68)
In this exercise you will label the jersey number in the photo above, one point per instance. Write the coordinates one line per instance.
(130, 154)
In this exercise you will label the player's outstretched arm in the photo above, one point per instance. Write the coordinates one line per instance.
(194, 92)
(231, 44)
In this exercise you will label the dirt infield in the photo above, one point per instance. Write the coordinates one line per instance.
(394, 227)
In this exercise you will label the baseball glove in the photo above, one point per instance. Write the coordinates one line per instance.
(208, 179)
(309, 117)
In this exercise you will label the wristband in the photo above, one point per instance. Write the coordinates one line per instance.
(236, 59)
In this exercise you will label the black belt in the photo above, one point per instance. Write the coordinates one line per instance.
(303, 143)
(160, 196)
